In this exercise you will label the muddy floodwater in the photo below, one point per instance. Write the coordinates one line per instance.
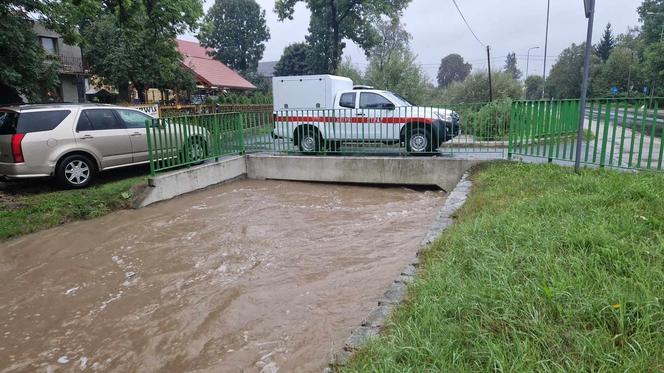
(248, 276)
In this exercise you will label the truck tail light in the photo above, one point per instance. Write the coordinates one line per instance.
(17, 150)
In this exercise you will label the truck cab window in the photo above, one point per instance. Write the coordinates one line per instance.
(347, 100)
(369, 100)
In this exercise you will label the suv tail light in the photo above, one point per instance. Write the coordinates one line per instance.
(17, 150)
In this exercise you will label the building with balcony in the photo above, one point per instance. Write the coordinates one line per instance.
(72, 68)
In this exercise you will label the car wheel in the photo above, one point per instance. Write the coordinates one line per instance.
(309, 140)
(418, 141)
(75, 171)
(196, 150)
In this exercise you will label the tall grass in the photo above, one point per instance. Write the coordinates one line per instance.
(545, 270)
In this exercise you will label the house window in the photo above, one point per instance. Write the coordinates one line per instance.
(50, 44)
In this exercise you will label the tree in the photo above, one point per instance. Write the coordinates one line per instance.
(452, 69)
(400, 74)
(349, 70)
(510, 66)
(134, 42)
(332, 21)
(622, 70)
(25, 69)
(651, 13)
(236, 30)
(475, 88)
(534, 86)
(392, 38)
(606, 44)
(564, 80)
(293, 61)
(392, 64)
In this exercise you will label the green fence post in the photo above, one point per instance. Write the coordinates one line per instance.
(605, 133)
(239, 125)
(512, 130)
(148, 124)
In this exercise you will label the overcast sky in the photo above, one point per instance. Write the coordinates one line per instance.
(505, 25)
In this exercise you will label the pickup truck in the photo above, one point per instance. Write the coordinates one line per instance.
(321, 112)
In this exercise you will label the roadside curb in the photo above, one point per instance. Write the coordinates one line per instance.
(396, 292)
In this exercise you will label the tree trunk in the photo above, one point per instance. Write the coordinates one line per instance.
(123, 92)
(334, 23)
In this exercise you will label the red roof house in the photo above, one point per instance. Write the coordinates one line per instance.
(208, 71)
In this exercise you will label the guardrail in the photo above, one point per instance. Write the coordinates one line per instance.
(621, 133)
(617, 133)
(183, 141)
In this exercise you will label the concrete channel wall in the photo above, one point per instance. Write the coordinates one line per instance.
(438, 171)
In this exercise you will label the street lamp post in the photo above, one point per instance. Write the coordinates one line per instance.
(528, 59)
(546, 43)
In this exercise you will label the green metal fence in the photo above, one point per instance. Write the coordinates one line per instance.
(619, 133)
(623, 133)
(183, 141)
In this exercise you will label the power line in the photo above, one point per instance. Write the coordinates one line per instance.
(466, 22)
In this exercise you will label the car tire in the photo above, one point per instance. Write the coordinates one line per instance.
(196, 150)
(418, 141)
(75, 171)
(309, 140)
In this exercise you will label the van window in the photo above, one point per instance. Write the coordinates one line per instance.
(347, 100)
(370, 100)
(83, 123)
(134, 119)
(103, 119)
(12, 122)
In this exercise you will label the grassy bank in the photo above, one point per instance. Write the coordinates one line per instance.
(22, 214)
(544, 271)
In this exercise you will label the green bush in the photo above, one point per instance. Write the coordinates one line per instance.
(488, 122)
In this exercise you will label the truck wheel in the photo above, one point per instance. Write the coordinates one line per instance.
(334, 146)
(75, 171)
(309, 140)
(418, 141)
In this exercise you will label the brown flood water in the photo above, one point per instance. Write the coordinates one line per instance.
(248, 276)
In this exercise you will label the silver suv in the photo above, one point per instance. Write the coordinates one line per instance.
(71, 142)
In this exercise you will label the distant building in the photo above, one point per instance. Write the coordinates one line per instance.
(211, 75)
(266, 68)
(72, 72)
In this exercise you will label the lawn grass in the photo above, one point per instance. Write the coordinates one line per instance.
(31, 213)
(545, 270)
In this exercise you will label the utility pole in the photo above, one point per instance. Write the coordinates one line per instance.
(590, 14)
(546, 43)
(488, 60)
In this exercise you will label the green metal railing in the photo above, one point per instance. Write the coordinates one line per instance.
(184, 141)
(620, 133)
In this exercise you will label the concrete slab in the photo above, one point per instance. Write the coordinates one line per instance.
(439, 171)
(173, 184)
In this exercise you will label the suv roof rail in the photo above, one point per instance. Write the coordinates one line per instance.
(360, 87)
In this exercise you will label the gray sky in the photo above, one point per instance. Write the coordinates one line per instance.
(505, 25)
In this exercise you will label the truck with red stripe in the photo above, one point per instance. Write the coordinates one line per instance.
(322, 112)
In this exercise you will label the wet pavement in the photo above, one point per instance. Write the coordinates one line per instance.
(249, 276)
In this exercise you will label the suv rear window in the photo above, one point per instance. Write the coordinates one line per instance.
(12, 122)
